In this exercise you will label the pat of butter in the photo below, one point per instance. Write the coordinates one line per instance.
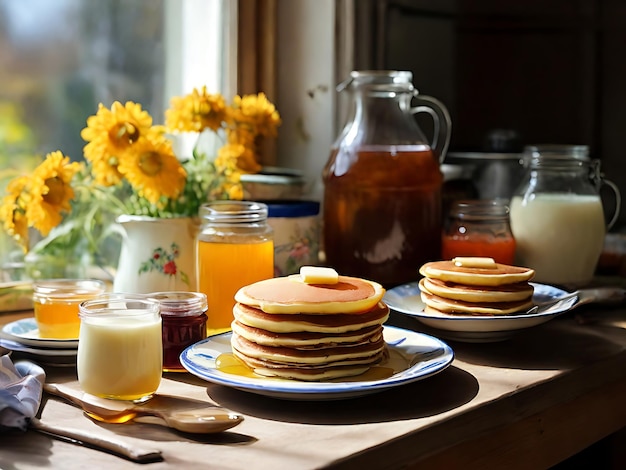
(318, 275)
(475, 262)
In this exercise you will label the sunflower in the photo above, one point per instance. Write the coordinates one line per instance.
(152, 169)
(12, 212)
(130, 168)
(257, 113)
(241, 156)
(50, 192)
(109, 133)
(196, 112)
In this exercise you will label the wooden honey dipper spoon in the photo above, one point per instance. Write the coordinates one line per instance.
(193, 417)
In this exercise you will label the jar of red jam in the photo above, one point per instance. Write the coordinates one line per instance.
(184, 321)
(479, 228)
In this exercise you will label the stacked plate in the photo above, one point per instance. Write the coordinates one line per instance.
(22, 336)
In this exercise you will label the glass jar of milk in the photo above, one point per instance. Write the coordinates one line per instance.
(557, 217)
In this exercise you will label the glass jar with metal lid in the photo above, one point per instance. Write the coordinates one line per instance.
(184, 319)
(479, 228)
(235, 248)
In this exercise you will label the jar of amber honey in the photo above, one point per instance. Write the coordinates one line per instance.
(235, 248)
(479, 228)
(55, 305)
(183, 316)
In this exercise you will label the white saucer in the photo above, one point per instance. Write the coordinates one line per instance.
(406, 299)
(13, 346)
(46, 356)
(25, 332)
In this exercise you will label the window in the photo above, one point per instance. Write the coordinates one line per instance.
(61, 58)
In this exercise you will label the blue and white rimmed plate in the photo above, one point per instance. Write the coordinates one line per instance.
(406, 299)
(412, 356)
(25, 332)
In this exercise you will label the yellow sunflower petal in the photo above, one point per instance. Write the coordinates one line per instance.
(242, 156)
(152, 169)
(109, 133)
(257, 112)
(196, 112)
(12, 210)
(50, 192)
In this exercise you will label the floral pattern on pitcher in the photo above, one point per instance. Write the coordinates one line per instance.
(300, 250)
(164, 261)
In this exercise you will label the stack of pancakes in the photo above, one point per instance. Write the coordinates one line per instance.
(288, 328)
(475, 286)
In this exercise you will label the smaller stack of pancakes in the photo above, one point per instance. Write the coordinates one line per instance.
(286, 327)
(475, 286)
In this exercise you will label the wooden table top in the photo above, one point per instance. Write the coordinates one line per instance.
(528, 402)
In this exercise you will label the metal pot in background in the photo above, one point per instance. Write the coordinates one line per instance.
(497, 168)
(494, 175)
(457, 185)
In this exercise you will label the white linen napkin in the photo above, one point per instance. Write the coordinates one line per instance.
(21, 386)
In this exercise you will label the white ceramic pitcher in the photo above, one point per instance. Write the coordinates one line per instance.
(157, 255)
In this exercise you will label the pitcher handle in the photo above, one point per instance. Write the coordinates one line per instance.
(441, 119)
(618, 202)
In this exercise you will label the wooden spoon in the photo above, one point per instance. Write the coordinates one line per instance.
(178, 413)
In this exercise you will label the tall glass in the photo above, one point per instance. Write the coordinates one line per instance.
(120, 353)
(235, 248)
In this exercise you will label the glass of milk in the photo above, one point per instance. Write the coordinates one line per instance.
(120, 351)
(557, 215)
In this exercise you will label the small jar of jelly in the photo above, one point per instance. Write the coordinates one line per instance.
(184, 321)
(479, 228)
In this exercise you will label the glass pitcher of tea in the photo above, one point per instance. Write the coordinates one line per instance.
(382, 181)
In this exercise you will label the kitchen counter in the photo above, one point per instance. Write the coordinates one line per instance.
(528, 402)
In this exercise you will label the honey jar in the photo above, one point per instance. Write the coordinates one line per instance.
(235, 248)
(55, 304)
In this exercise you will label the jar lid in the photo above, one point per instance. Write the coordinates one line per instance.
(181, 303)
(480, 209)
(67, 289)
(558, 152)
(292, 208)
